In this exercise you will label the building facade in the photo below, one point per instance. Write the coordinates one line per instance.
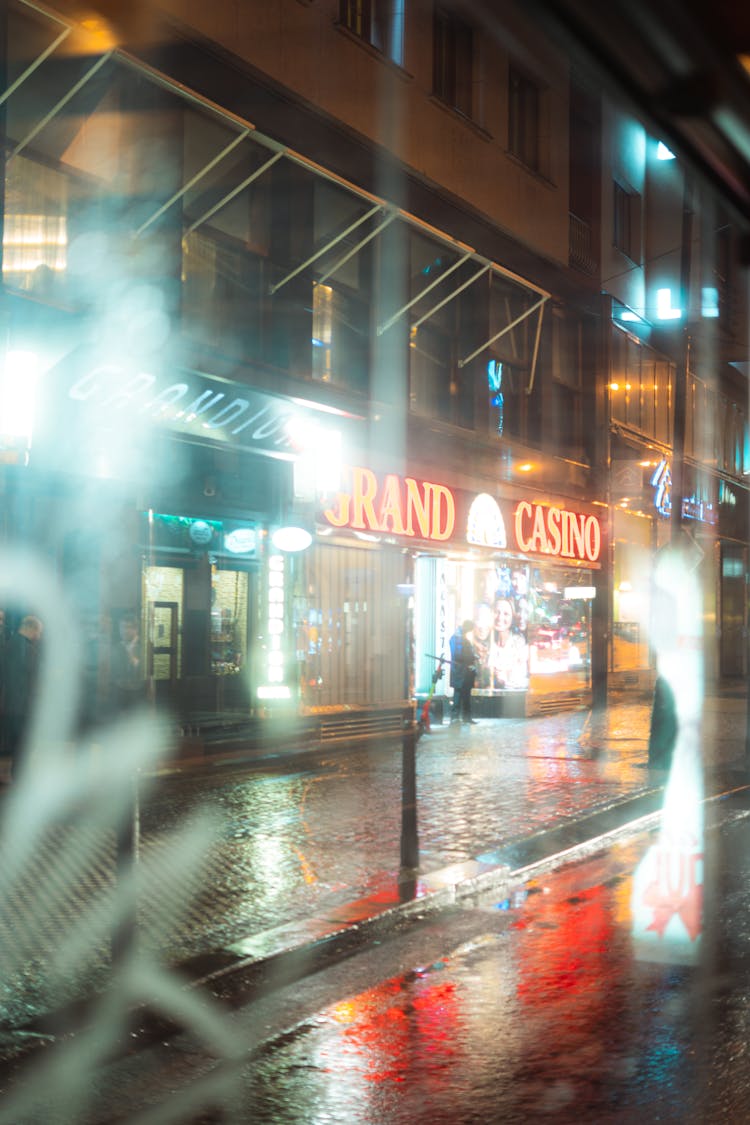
(419, 303)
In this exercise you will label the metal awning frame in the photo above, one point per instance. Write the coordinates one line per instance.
(438, 281)
(503, 331)
(35, 64)
(328, 246)
(193, 181)
(246, 128)
(100, 62)
(356, 249)
(235, 191)
(485, 268)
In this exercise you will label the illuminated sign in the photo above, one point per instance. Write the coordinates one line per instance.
(190, 534)
(486, 526)
(558, 532)
(195, 403)
(693, 507)
(241, 541)
(397, 506)
(201, 532)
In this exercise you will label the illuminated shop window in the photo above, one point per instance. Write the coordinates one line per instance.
(35, 226)
(322, 333)
(163, 612)
(228, 621)
(32, 245)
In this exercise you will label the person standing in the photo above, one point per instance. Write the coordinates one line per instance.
(463, 673)
(126, 674)
(20, 670)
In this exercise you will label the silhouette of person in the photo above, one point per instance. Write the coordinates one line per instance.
(126, 675)
(20, 670)
(463, 673)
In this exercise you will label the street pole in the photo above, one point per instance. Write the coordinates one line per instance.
(409, 835)
(663, 726)
(682, 370)
(127, 843)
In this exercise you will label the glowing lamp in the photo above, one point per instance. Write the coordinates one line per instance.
(291, 539)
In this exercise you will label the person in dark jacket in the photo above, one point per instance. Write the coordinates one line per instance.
(20, 670)
(128, 687)
(463, 673)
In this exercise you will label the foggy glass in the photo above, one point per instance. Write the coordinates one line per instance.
(343, 267)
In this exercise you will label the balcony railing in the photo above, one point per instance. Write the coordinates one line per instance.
(580, 253)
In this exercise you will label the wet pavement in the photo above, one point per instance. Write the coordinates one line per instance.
(532, 1006)
(540, 1013)
(287, 854)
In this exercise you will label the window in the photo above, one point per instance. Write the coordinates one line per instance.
(339, 338)
(379, 22)
(438, 388)
(524, 108)
(564, 423)
(453, 57)
(35, 232)
(626, 235)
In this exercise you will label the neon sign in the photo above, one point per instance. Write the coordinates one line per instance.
(399, 506)
(661, 482)
(693, 507)
(557, 531)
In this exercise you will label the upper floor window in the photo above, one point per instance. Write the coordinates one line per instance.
(524, 119)
(379, 22)
(626, 228)
(453, 62)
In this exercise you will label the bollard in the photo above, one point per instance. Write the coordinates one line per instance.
(409, 836)
(126, 855)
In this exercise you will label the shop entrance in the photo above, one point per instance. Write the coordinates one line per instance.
(162, 629)
(196, 625)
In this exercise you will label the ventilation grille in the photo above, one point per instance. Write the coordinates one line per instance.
(559, 703)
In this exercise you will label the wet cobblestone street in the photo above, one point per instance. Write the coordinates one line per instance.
(286, 841)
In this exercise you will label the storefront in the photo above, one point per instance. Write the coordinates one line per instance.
(200, 594)
(522, 571)
(157, 494)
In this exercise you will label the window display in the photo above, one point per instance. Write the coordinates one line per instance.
(528, 621)
(228, 621)
(559, 629)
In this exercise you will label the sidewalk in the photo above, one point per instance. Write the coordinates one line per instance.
(304, 855)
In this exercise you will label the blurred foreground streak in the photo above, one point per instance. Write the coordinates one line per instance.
(668, 888)
(67, 935)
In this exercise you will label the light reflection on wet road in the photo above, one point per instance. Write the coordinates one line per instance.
(527, 1009)
(287, 842)
(541, 1013)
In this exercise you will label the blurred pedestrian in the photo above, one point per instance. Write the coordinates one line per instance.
(126, 674)
(20, 673)
(463, 673)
